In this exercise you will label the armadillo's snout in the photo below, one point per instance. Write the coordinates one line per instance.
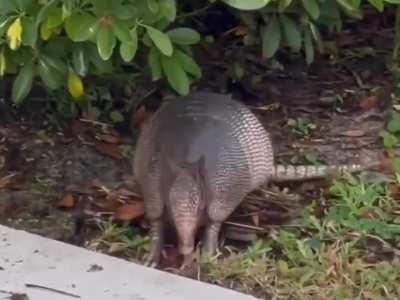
(186, 228)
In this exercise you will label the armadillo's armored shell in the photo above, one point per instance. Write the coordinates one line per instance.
(236, 147)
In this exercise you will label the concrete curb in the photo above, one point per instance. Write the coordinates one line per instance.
(30, 259)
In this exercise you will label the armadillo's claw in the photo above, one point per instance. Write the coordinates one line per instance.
(153, 258)
(157, 243)
(151, 264)
(188, 261)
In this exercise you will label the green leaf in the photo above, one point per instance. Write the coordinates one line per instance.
(55, 63)
(128, 50)
(116, 116)
(101, 66)
(52, 71)
(292, 33)
(121, 31)
(153, 6)
(378, 4)
(351, 8)
(104, 7)
(80, 60)
(238, 71)
(389, 140)
(4, 24)
(29, 34)
(247, 4)
(330, 15)
(184, 36)
(308, 47)
(59, 46)
(154, 61)
(161, 40)
(24, 5)
(187, 63)
(311, 6)
(168, 9)
(317, 36)
(80, 27)
(7, 6)
(396, 164)
(271, 38)
(67, 9)
(175, 74)
(283, 4)
(126, 12)
(394, 125)
(54, 18)
(45, 11)
(106, 42)
(23, 83)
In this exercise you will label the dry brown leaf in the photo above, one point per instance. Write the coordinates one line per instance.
(387, 165)
(256, 219)
(353, 133)
(68, 201)
(122, 192)
(77, 127)
(131, 211)
(241, 30)
(394, 191)
(109, 149)
(111, 139)
(4, 181)
(107, 203)
(370, 102)
(237, 31)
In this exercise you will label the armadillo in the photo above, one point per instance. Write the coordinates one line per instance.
(197, 158)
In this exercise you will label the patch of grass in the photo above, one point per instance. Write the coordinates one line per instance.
(347, 250)
(301, 126)
(120, 238)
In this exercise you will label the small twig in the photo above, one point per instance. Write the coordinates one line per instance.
(245, 226)
(137, 103)
(377, 238)
(95, 122)
(36, 286)
(194, 13)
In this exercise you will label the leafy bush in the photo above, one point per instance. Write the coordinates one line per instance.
(62, 41)
(297, 23)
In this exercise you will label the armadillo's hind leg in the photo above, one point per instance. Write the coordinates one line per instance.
(157, 243)
(210, 241)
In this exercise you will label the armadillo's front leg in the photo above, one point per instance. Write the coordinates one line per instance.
(157, 242)
(210, 241)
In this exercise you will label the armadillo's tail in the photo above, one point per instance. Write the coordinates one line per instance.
(293, 173)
